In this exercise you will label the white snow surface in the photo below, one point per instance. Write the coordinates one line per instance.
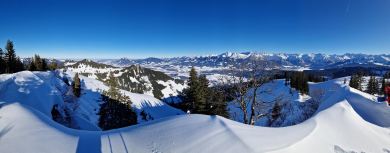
(347, 121)
(42, 90)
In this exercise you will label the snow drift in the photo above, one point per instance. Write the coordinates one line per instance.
(347, 121)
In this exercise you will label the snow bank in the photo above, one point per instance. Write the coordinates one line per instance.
(342, 124)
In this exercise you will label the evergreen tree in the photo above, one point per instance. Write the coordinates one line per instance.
(53, 65)
(299, 81)
(32, 66)
(10, 57)
(76, 85)
(372, 86)
(19, 66)
(275, 113)
(203, 92)
(217, 103)
(356, 82)
(113, 91)
(44, 65)
(192, 96)
(115, 114)
(116, 111)
(383, 86)
(2, 62)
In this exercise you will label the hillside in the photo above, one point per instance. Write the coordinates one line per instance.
(43, 90)
(347, 121)
(133, 78)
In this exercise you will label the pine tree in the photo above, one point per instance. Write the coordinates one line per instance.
(116, 111)
(44, 65)
(383, 86)
(372, 86)
(10, 57)
(2, 62)
(76, 85)
(32, 66)
(113, 91)
(191, 94)
(19, 66)
(53, 65)
(202, 92)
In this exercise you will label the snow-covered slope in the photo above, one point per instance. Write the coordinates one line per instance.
(347, 121)
(133, 78)
(43, 90)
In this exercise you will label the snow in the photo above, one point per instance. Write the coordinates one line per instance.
(346, 121)
(92, 89)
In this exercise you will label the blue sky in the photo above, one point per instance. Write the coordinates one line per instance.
(166, 28)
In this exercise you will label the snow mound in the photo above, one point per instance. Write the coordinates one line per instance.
(32, 90)
(347, 121)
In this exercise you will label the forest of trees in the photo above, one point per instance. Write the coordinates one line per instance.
(39, 64)
(202, 99)
(299, 81)
(9, 62)
(374, 85)
(115, 111)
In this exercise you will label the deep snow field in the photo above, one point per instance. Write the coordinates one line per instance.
(346, 121)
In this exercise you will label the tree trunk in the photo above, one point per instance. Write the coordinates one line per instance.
(243, 108)
(252, 117)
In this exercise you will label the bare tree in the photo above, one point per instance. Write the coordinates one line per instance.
(244, 79)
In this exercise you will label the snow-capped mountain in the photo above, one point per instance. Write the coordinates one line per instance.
(133, 78)
(211, 65)
(276, 60)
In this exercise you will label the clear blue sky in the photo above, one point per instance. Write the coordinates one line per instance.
(135, 29)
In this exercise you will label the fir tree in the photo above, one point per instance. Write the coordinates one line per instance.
(2, 62)
(10, 57)
(116, 111)
(113, 91)
(76, 85)
(192, 96)
(383, 86)
(53, 65)
(356, 82)
(32, 66)
(203, 92)
(372, 86)
(19, 66)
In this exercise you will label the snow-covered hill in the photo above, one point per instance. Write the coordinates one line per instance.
(132, 78)
(347, 121)
(43, 90)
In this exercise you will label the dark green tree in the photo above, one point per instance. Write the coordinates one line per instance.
(10, 57)
(203, 94)
(32, 66)
(356, 82)
(2, 62)
(76, 85)
(53, 65)
(191, 95)
(373, 85)
(383, 86)
(116, 111)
